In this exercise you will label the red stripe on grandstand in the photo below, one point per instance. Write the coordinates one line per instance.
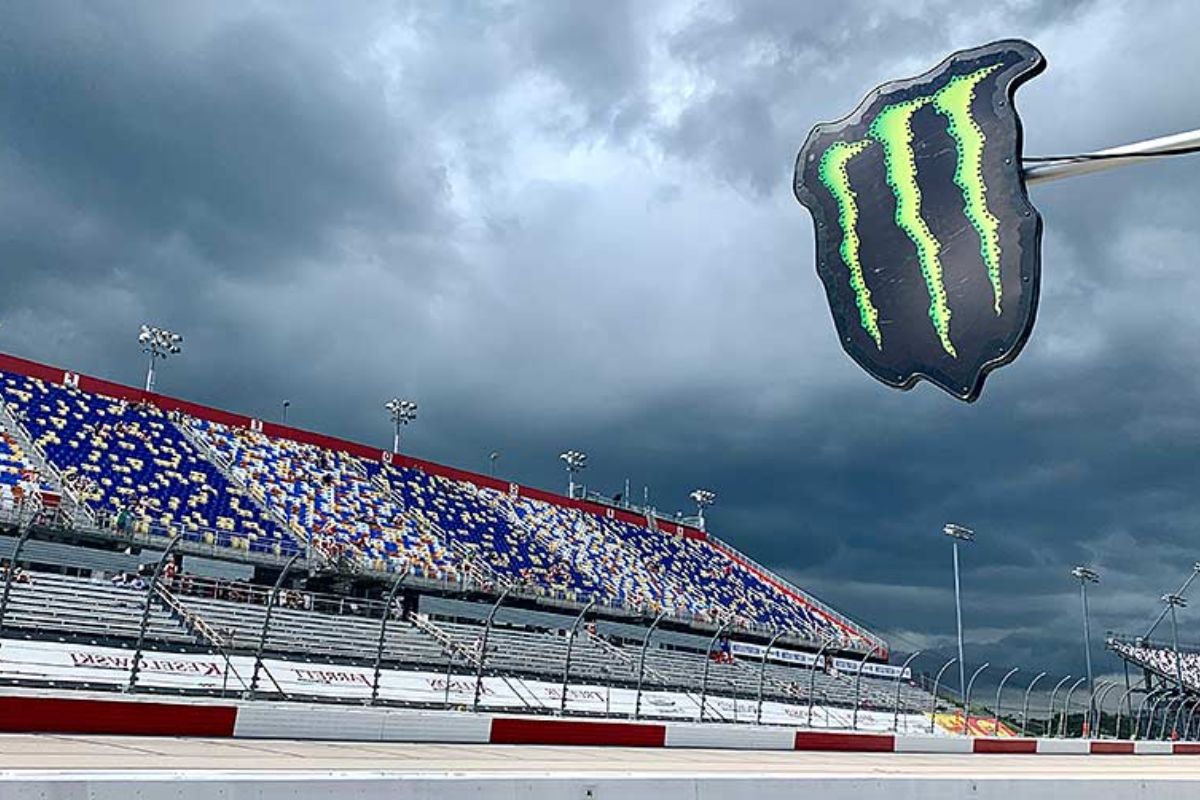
(1184, 749)
(846, 742)
(1112, 748)
(62, 715)
(509, 730)
(989, 745)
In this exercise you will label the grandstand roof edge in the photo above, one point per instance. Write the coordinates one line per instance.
(59, 375)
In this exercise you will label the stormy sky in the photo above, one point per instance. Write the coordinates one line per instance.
(571, 225)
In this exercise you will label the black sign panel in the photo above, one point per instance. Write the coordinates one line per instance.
(926, 241)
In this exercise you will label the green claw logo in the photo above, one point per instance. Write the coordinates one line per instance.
(924, 179)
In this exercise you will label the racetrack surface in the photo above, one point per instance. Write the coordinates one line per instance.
(21, 755)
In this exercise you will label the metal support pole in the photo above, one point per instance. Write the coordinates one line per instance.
(962, 663)
(1087, 657)
(1178, 712)
(1175, 644)
(1062, 727)
(1049, 730)
(1162, 728)
(996, 710)
(1181, 591)
(1137, 720)
(1097, 729)
(1187, 729)
(483, 645)
(858, 684)
(896, 706)
(637, 703)
(135, 664)
(26, 529)
(562, 706)
(1122, 700)
(1025, 703)
(933, 703)
(967, 699)
(1135, 153)
(812, 679)
(707, 661)
(266, 626)
(762, 676)
(383, 625)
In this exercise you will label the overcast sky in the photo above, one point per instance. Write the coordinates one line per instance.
(571, 225)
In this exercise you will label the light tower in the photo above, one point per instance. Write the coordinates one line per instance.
(1173, 602)
(1085, 575)
(576, 462)
(157, 343)
(958, 533)
(402, 412)
(703, 498)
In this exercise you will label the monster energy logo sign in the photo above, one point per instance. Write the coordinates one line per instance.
(897, 190)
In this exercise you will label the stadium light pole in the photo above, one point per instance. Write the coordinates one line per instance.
(967, 698)
(401, 412)
(1174, 601)
(958, 533)
(762, 675)
(272, 598)
(562, 708)
(1025, 703)
(135, 664)
(936, 681)
(996, 710)
(157, 343)
(576, 462)
(812, 679)
(703, 499)
(1086, 575)
(637, 703)
(1182, 590)
(724, 626)
(286, 405)
(383, 626)
(1062, 724)
(899, 680)
(492, 458)
(483, 644)
(858, 684)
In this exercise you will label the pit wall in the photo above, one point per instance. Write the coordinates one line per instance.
(45, 712)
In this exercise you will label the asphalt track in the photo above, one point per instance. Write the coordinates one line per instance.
(23, 755)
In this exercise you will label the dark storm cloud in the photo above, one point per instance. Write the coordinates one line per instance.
(570, 225)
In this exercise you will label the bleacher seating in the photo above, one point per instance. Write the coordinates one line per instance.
(329, 496)
(18, 477)
(238, 487)
(1160, 660)
(134, 459)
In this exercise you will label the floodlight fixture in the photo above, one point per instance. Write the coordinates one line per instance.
(959, 532)
(401, 412)
(157, 343)
(1086, 574)
(703, 498)
(576, 461)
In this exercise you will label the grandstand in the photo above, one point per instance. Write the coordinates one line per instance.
(94, 470)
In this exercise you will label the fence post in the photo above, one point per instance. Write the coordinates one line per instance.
(708, 661)
(383, 625)
(1025, 704)
(1062, 727)
(762, 676)
(12, 569)
(637, 703)
(812, 680)
(937, 680)
(967, 699)
(266, 626)
(1124, 698)
(899, 679)
(483, 645)
(135, 665)
(562, 708)
(858, 684)
(1049, 731)
(996, 710)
